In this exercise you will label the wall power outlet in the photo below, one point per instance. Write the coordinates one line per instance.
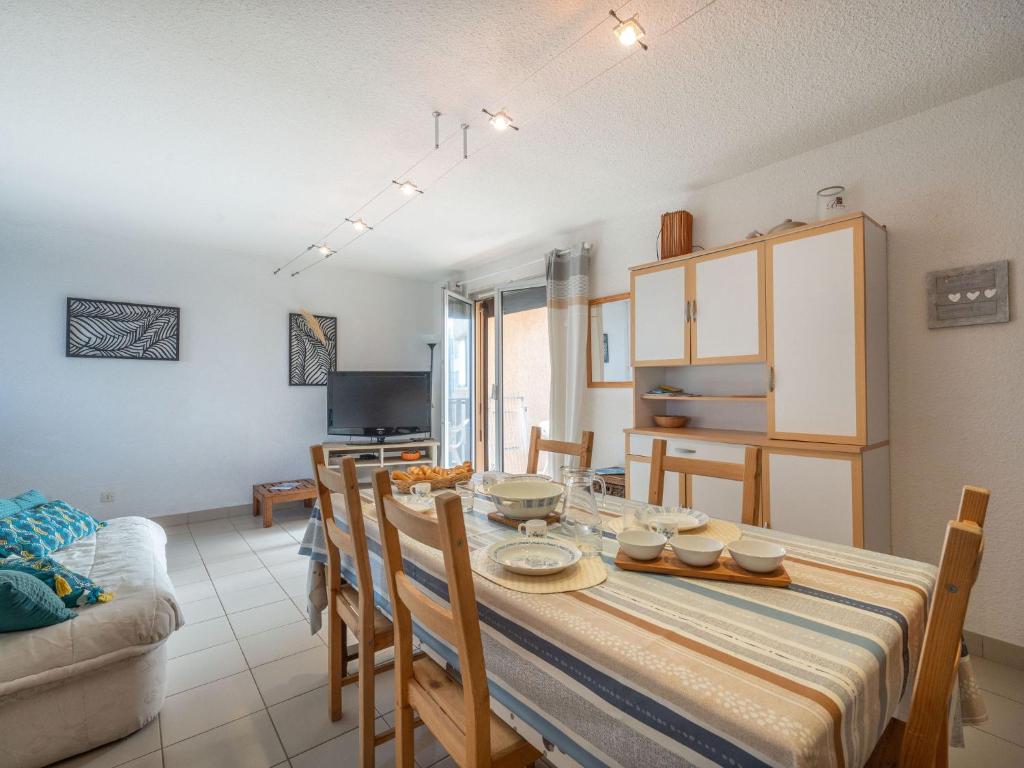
(106, 497)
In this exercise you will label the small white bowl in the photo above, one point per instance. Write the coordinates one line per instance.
(699, 551)
(642, 545)
(757, 556)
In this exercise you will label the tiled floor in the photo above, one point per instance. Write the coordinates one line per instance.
(247, 682)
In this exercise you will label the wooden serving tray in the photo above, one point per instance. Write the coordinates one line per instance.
(724, 570)
(511, 522)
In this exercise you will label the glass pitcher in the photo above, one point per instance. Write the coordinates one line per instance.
(580, 515)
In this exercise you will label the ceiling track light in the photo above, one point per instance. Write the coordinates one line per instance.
(359, 225)
(629, 30)
(324, 248)
(407, 187)
(501, 120)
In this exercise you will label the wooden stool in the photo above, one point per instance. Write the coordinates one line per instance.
(264, 497)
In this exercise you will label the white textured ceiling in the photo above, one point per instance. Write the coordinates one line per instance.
(257, 126)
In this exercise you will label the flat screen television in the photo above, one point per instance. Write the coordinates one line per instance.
(376, 405)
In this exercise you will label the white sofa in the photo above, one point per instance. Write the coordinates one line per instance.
(99, 677)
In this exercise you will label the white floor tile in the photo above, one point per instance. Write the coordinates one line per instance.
(186, 576)
(1005, 718)
(201, 590)
(304, 722)
(200, 709)
(176, 530)
(224, 548)
(247, 522)
(294, 586)
(145, 741)
(240, 564)
(196, 637)
(277, 643)
(178, 559)
(236, 582)
(1000, 679)
(290, 569)
(281, 552)
(344, 751)
(202, 610)
(428, 750)
(292, 675)
(384, 692)
(246, 743)
(205, 666)
(256, 620)
(986, 751)
(252, 597)
(209, 527)
(153, 760)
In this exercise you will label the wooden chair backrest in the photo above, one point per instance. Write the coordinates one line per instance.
(940, 653)
(584, 449)
(458, 625)
(748, 473)
(352, 543)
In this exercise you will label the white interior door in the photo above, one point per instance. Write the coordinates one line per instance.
(814, 344)
(660, 328)
(457, 381)
(811, 496)
(727, 312)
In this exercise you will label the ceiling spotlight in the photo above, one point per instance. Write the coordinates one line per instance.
(629, 30)
(359, 225)
(323, 249)
(407, 187)
(500, 120)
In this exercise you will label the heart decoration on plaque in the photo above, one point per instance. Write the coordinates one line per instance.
(954, 297)
(972, 295)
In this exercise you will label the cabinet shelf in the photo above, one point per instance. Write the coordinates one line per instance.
(737, 398)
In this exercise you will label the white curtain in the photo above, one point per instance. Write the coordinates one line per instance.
(568, 286)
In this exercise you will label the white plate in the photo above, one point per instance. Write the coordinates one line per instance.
(685, 520)
(534, 556)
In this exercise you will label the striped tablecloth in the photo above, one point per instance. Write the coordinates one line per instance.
(647, 670)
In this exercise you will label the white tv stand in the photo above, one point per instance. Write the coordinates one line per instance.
(383, 454)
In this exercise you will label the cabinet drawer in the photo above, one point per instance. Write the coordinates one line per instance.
(640, 445)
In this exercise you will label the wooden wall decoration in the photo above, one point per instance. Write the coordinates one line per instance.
(676, 234)
(969, 295)
(122, 330)
(309, 358)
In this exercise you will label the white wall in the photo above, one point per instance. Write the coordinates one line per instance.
(169, 437)
(948, 183)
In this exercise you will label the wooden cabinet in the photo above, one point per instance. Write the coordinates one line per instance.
(708, 309)
(660, 325)
(820, 350)
(727, 306)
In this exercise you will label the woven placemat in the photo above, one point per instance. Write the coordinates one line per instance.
(722, 530)
(588, 572)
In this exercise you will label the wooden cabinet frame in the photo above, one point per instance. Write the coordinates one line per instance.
(633, 312)
(860, 366)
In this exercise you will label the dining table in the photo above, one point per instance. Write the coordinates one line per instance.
(661, 671)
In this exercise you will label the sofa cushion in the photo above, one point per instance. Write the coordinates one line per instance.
(21, 502)
(72, 588)
(44, 529)
(27, 603)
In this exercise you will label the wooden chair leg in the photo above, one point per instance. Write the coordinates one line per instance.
(367, 711)
(404, 737)
(336, 661)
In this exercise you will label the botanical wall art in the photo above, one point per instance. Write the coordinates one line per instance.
(969, 295)
(312, 348)
(120, 329)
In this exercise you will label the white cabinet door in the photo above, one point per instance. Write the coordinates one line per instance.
(812, 495)
(816, 334)
(660, 328)
(638, 479)
(717, 497)
(728, 316)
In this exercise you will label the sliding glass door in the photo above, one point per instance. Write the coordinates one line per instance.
(457, 383)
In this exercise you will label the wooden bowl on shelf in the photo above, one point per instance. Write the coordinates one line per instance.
(673, 422)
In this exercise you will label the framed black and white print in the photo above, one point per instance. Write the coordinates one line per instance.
(310, 359)
(122, 330)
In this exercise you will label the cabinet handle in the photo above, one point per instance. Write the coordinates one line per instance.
(684, 450)
(771, 378)
(687, 310)
(693, 312)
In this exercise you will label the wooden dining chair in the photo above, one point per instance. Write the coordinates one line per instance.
(748, 473)
(348, 608)
(584, 449)
(457, 713)
(923, 741)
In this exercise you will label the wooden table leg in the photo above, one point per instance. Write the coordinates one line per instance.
(268, 512)
(255, 505)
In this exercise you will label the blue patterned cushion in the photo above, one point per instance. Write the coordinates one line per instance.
(73, 588)
(21, 502)
(26, 602)
(44, 529)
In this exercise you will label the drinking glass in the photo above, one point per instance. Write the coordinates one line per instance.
(580, 509)
(466, 493)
